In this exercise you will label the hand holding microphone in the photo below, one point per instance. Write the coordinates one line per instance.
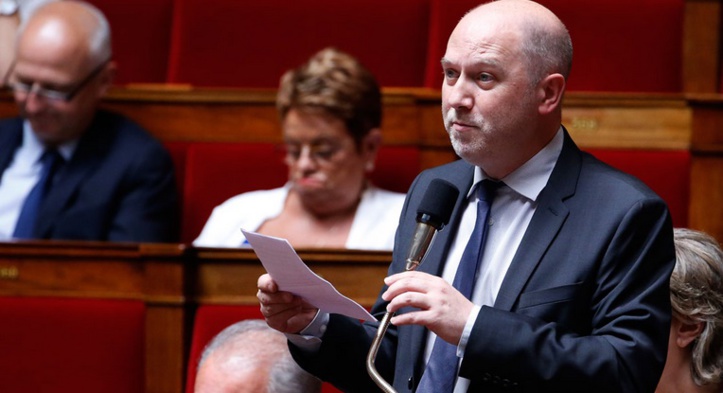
(433, 213)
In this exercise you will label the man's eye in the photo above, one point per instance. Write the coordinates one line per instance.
(450, 74)
(21, 85)
(485, 77)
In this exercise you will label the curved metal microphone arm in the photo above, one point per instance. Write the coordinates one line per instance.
(372, 355)
(420, 244)
(433, 213)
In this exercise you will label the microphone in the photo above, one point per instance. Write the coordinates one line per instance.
(433, 214)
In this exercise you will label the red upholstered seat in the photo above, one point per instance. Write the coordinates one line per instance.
(209, 321)
(396, 168)
(251, 44)
(665, 172)
(141, 33)
(217, 171)
(72, 345)
(619, 45)
(178, 152)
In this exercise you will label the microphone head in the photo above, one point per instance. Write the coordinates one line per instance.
(438, 202)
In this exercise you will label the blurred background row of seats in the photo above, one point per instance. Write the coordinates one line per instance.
(620, 46)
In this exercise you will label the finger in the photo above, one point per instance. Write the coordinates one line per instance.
(409, 282)
(276, 309)
(292, 320)
(411, 318)
(266, 283)
(281, 321)
(389, 280)
(268, 299)
(409, 299)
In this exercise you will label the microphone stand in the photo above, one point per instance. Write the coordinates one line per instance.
(420, 243)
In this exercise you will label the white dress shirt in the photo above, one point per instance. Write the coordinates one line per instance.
(20, 177)
(510, 214)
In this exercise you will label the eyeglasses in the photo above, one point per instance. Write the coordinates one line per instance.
(321, 153)
(26, 88)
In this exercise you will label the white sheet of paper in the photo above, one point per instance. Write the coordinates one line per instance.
(292, 275)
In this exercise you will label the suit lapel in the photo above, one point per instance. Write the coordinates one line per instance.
(92, 148)
(546, 222)
(437, 254)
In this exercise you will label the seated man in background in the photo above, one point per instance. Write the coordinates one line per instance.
(330, 110)
(69, 170)
(249, 356)
(695, 349)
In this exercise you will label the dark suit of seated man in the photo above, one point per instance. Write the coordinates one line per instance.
(69, 170)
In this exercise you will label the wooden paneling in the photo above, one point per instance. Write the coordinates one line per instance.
(706, 194)
(702, 46)
(228, 276)
(629, 121)
(171, 279)
(706, 180)
(411, 117)
(153, 273)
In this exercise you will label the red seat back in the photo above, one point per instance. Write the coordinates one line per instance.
(141, 33)
(218, 171)
(178, 152)
(252, 43)
(72, 345)
(619, 45)
(396, 168)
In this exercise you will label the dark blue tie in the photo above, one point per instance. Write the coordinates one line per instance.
(25, 225)
(441, 371)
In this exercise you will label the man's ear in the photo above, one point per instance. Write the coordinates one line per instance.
(551, 89)
(370, 147)
(686, 332)
(106, 78)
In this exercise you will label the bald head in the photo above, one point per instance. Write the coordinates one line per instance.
(242, 361)
(75, 30)
(249, 356)
(543, 39)
(63, 50)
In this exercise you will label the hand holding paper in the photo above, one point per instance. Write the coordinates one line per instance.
(292, 275)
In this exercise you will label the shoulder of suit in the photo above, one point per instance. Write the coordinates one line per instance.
(122, 129)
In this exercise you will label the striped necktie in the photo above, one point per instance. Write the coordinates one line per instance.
(25, 226)
(441, 372)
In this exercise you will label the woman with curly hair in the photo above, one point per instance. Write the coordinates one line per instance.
(695, 349)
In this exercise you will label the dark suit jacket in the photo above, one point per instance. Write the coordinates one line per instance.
(584, 306)
(118, 186)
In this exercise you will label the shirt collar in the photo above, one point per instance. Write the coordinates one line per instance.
(530, 179)
(32, 143)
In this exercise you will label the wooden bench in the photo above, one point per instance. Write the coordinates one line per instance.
(158, 287)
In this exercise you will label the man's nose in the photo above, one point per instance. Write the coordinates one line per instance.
(459, 95)
(33, 102)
